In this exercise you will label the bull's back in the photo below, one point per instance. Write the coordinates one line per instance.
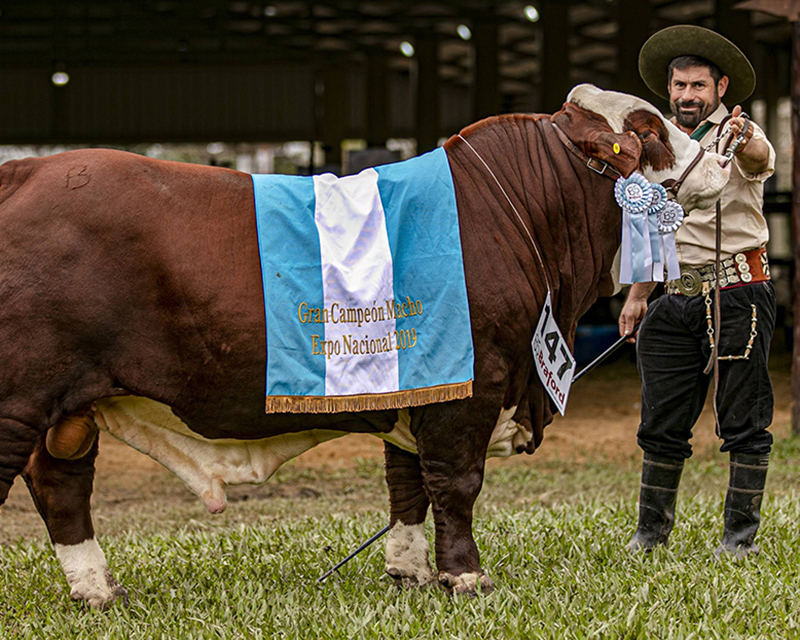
(126, 274)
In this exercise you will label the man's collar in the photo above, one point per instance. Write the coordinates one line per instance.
(717, 116)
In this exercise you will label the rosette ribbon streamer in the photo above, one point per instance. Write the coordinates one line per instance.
(670, 219)
(634, 195)
(657, 204)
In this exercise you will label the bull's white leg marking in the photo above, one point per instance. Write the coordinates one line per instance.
(407, 555)
(506, 437)
(205, 466)
(87, 573)
(466, 583)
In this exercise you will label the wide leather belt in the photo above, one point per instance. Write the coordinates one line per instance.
(742, 268)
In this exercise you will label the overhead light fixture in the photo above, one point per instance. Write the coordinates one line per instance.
(531, 13)
(463, 32)
(407, 49)
(60, 78)
(270, 11)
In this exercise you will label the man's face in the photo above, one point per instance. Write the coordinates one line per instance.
(693, 95)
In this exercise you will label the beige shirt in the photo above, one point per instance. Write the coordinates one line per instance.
(743, 224)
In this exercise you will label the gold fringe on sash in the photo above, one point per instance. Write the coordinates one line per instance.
(369, 401)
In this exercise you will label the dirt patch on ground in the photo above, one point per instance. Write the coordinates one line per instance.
(601, 422)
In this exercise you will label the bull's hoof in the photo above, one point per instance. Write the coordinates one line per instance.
(421, 578)
(466, 584)
(100, 592)
(737, 552)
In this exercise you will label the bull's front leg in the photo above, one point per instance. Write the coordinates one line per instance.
(452, 441)
(406, 546)
(61, 490)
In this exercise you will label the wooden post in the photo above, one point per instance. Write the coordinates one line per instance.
(427, 110)
(735, 25)
(555, 75)
(796, 225)
(790, 9)
(377, 99)
(633, 28)
(334, 114)
(486, 74)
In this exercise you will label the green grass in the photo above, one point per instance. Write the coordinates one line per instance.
(552, 537)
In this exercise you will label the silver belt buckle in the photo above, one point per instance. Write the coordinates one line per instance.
(690, 283)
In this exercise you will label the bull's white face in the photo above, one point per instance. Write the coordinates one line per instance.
(666, 150)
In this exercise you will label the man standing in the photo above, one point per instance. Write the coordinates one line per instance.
(696, 68)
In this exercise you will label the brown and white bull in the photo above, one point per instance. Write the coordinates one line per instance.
(131, 300)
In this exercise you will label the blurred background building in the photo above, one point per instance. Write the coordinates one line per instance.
(311, 86)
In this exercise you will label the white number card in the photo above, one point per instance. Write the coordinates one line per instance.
(554, 363)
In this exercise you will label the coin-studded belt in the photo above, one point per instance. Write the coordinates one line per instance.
(742, 268)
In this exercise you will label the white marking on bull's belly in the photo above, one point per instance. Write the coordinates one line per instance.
(506, 437)
(204, 465)
(87, 573)
(407, 555)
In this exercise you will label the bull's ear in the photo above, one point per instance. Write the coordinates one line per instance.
(591, 133)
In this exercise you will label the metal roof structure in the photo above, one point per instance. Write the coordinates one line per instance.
(237, 58)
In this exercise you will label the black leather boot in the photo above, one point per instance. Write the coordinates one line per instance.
(660, 479)
(743, 504)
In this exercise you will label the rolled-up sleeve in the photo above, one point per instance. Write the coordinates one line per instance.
(758, 134)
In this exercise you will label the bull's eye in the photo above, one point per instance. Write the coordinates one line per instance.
(644, 135)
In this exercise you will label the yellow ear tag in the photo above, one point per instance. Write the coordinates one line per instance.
(616, 147)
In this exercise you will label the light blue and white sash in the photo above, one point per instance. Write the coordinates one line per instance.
(366, 304)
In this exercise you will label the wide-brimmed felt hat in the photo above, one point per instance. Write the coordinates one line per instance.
(689, 40)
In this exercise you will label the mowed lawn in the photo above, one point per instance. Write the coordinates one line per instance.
(551, 535)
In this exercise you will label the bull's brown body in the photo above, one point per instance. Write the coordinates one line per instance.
(126, 275)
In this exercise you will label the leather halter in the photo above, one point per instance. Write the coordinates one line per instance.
(596, 165)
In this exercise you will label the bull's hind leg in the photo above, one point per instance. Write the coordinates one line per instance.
(452, 448)
(61, 490)
(406, 547)
(17, 441)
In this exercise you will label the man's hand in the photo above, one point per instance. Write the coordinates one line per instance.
(737, 125)
(634, 308)
(752, 155)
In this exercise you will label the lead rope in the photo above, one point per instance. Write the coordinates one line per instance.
(713, 360)
(519, 217)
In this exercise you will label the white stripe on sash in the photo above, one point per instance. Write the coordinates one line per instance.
(357, 275)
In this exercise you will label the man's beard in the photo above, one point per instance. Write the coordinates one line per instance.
(691, 120)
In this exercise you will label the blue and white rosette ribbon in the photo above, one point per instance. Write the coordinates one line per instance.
(634, 194)
(649, 223)
(670, 219)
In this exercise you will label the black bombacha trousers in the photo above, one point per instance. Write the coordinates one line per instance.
(673, 348)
